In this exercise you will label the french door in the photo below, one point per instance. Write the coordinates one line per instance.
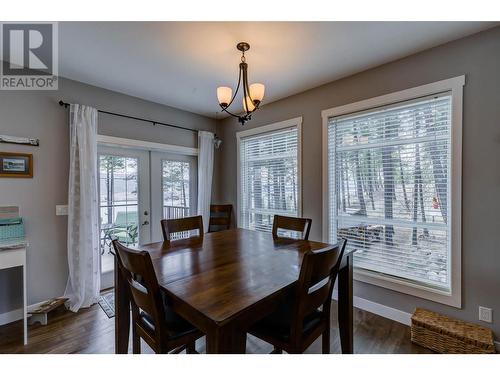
(124, 202)
(137, 189)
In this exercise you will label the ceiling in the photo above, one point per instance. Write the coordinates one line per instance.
(180, 64)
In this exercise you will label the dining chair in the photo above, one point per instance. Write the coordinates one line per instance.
(304, 313)
(220, 217)
(295, 224)
(153, 319)
(170, 227)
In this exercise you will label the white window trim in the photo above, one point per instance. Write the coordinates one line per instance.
(107, 140)
(455, 86)
(297, 121)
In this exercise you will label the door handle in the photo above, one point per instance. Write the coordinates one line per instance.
(145, 222)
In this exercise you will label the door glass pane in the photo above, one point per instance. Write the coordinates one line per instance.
(176, 191)
(118, 204)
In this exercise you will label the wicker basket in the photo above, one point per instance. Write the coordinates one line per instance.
(447, 335)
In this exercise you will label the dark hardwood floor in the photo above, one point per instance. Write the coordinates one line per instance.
(91, 331)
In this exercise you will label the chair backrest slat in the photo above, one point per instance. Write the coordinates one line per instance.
(172, 226)
(219, 221)
(296, 224)
(220, 216)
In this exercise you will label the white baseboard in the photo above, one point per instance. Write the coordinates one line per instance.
(379, 309)
(11, 316)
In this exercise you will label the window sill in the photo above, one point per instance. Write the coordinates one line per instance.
(451, 299)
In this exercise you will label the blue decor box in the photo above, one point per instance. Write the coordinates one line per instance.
(11, 228)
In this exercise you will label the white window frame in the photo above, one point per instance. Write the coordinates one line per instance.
(455, 86)
(293, 122)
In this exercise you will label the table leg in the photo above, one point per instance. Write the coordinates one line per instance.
(122, 312)
(345, 306)
(226, 340)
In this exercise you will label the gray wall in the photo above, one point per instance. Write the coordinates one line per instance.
(36, 114)
(478, 57)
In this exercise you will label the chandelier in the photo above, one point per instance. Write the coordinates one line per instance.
(252, 94)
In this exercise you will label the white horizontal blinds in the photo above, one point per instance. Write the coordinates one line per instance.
(389, 188)
(269, 178)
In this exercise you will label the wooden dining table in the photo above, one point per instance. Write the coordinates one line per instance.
(225, 281)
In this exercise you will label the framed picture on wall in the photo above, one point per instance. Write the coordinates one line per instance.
(16, 165)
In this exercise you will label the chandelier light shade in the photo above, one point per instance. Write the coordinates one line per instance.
(248, 106)
(224, 95)
(257, 91)
(252, 94)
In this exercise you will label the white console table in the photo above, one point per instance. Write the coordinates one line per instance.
(13, 254)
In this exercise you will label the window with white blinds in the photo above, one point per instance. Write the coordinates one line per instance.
(269, 177)
(389, 188)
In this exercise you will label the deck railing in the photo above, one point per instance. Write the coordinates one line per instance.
(175, 212)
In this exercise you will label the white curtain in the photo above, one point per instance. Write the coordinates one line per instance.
(84, 281)
(205, 172)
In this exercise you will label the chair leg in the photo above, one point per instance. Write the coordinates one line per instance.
(277, 350)
(326, 341)
(191, 348)
(177, 350)
(136, 342)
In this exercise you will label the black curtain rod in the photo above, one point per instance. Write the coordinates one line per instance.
(65, 105)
